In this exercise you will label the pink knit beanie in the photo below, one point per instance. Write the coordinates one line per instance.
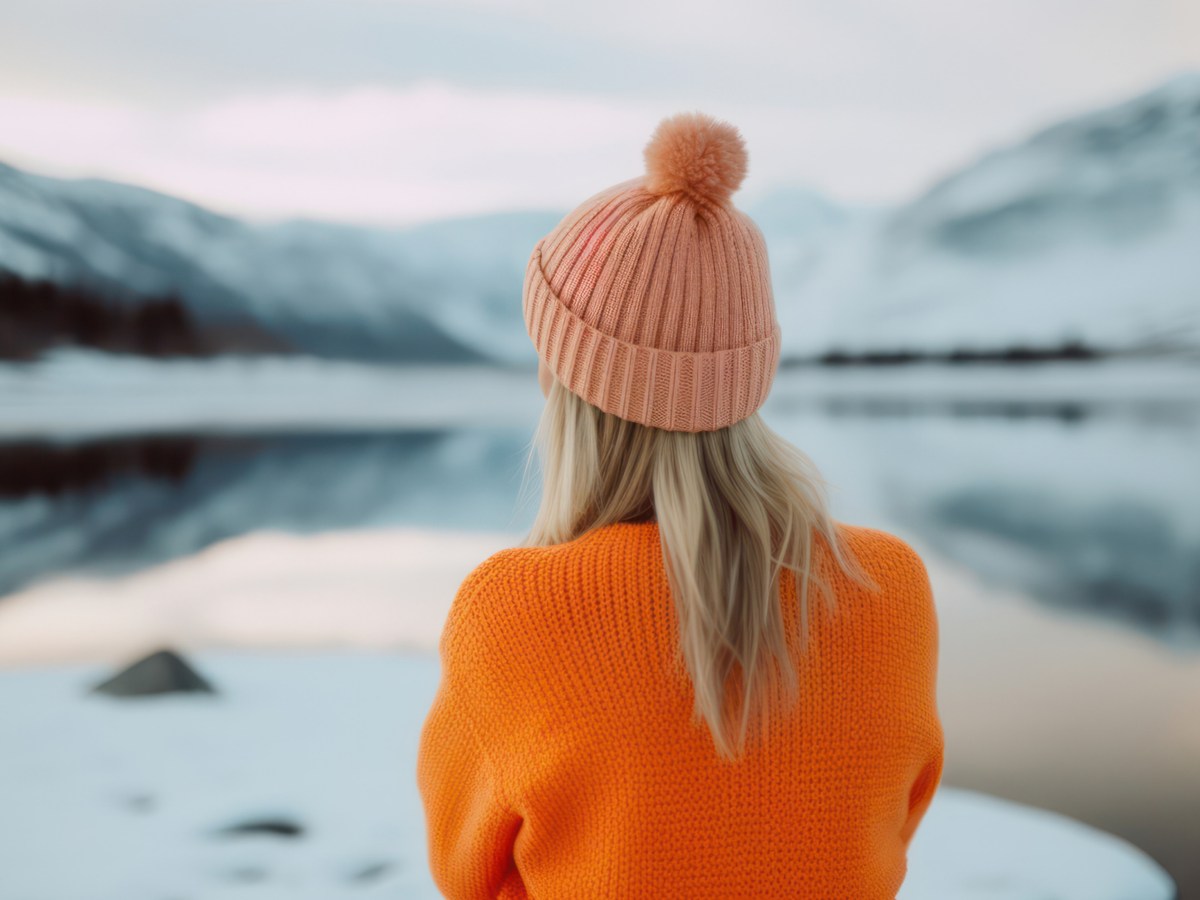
(652, 299)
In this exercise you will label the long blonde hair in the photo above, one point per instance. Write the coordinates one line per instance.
(734, 507)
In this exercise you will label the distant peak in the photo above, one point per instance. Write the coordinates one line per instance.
(1184, 85)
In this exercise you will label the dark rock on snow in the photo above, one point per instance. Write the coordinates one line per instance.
(162, 672)
(371, 872)
(278, 827)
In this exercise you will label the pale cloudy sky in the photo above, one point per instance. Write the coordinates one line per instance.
(390, 111)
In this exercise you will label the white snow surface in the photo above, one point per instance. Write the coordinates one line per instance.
(79, 393)
(322, 731)
(123, 799)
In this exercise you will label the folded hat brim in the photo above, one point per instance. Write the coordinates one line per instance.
(676, 390)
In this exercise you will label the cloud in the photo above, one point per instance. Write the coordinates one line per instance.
(366, 154)
(394, 155)
(390, 111)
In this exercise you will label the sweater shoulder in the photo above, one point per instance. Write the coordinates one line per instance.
(518, 586)
(512, 566)
(886, 555)
(904, 603)
(497, 568)
(479, 590)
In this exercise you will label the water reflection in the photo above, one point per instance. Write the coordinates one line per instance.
(1121, 556)
(33, 468)
(1081, 510)
(1023, 509)
(113, 506)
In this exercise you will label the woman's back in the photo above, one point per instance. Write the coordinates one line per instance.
(561, 758)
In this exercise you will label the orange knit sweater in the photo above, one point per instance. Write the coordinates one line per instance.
(559, 760)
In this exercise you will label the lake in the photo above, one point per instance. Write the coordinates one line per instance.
(1057, 507)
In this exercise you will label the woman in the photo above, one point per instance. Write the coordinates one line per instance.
(689, 680)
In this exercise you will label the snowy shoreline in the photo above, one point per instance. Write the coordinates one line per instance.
(237, 795)
(341, 629)
(78, 395)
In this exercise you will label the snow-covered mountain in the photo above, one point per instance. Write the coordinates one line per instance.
(430, 292)
(1087, 230)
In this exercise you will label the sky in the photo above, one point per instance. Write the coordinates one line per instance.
(390, 112)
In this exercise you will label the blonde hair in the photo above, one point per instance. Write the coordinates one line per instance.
(734, 507)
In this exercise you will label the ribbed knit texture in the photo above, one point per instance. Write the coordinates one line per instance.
(560, 759)
(656, 308)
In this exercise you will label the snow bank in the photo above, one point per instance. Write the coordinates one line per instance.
(972, 844)
(135, 793)
(78, 394)
(124, 799)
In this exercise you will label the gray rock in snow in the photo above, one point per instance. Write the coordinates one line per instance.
(162, 672)
(273, 826)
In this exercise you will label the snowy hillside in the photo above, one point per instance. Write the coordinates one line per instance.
(432, 292)
(1085, 231)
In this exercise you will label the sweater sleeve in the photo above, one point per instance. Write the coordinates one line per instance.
(925, 672)
(921, 796)
(470, 825)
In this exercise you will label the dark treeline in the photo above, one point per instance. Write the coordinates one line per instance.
(1066, 351)
(36, 316)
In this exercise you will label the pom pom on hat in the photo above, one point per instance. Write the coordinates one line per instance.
(694, 153)
(652, 299)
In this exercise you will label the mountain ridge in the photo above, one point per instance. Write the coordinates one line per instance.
(1080, 233)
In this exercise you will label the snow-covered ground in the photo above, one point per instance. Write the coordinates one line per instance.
(110, 799)
(320, 732)
(77, 394)
(133, 791)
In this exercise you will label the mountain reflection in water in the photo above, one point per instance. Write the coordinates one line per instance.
(1098, 513)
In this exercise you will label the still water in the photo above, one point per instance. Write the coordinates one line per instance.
(1063, 541)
